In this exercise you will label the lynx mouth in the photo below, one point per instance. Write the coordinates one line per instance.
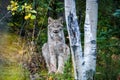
(55, 31)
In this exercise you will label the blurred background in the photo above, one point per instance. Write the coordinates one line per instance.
(23, 31)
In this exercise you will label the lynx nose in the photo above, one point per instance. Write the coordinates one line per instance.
(55, 31)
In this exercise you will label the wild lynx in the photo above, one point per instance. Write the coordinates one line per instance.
(55, 51)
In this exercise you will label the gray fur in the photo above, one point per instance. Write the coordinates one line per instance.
(55, 51)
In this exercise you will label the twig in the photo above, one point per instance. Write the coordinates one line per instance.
(22, 27)
(4, 16)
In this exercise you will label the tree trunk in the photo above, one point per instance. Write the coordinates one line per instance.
(74, 37)
(90, 28)
(84, 67)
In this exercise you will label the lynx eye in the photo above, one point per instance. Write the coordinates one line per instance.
(59, 25)
(60, 29)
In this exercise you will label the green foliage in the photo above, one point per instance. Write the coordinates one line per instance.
(68, 70)
(56, 9)
(59, 6)
(108, 41)
(13, 72)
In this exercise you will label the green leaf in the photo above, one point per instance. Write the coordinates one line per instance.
(33, 11)
(33, 17)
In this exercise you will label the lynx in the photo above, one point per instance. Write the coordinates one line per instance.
(55, 51)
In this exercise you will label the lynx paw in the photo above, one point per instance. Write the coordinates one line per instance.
(51, 72)
(59, 72)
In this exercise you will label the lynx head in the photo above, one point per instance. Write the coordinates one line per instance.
(55, 26)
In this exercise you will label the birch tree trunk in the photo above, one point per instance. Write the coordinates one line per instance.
(74, 37)
(84, 67)
(90, 28)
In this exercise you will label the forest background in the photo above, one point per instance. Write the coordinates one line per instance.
(22, 36)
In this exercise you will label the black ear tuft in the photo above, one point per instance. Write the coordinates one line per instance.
(61, 19)
(50, 20)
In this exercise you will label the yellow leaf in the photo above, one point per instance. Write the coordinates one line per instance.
(50, 78)
(11, 1)
(23, 7)
(13, 13)
(28, 7)
(8, 7)
(25, 4)
(26, 17)
(14, 4)
(14, 8)
(29, 15)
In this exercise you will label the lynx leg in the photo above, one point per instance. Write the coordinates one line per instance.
(52, 64)
(62, 58)
(60, 64)
(52, 59)
(46, 55)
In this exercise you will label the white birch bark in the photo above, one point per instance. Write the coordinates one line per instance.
(90, 28)
(74, 37)
(84, 70)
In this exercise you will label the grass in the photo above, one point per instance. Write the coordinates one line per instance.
(13, 72)
(10, 68)
(11, 56)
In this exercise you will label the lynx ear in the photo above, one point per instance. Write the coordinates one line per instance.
(61, 19)
(50, 20)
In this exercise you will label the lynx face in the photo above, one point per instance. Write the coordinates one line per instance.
(55, 26)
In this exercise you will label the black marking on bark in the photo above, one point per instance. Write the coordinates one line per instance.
(74, 48)
(89, 74)
(94, 53)
(94, 58)
(97, 1)
(72, 28)
(87, 24)
(85, 28)
(93, 41)
(87, 9)
(83, 63)
(77, 72)
(82, 54)
(94, 47)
